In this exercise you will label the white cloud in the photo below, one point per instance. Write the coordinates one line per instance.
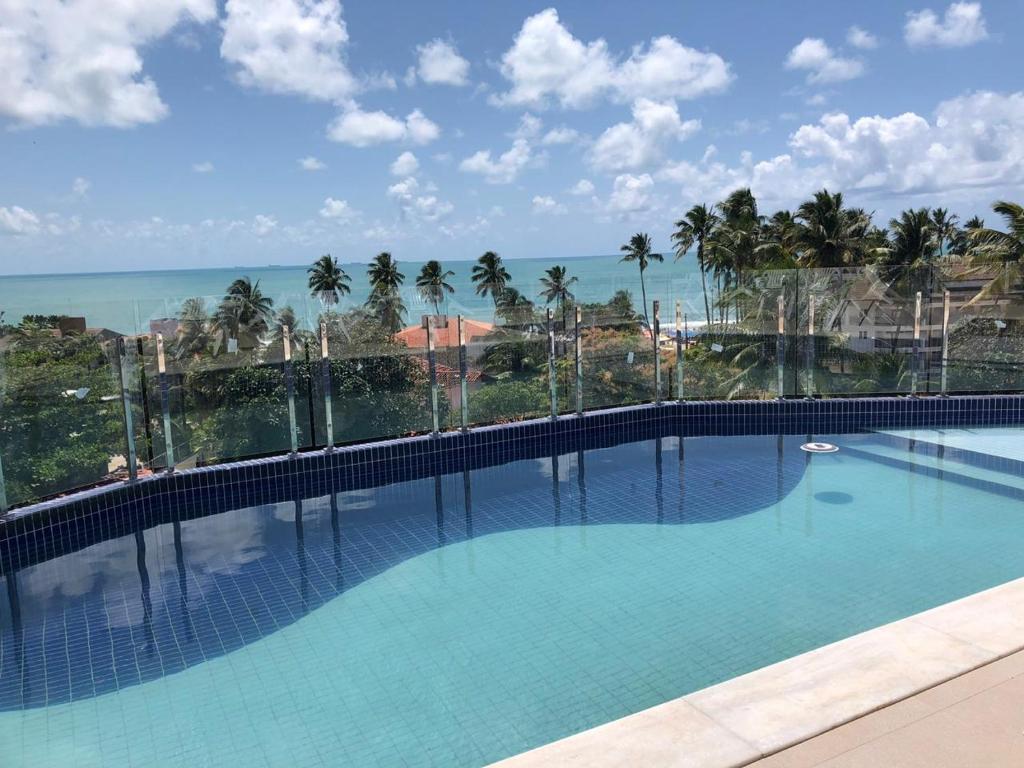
(440, 63)
(503, 170)
(861, 38)
(546, 62)
(204, 167)
(779, 180)
(18, 221)
(641, 143)
(363, 129)
(311, 164)
(528, 128)
(961, 25)
(80, 187)
(405, 164)
(416, 207)
(289, 47)
(263, 225)
(81, 60)
(582, 187)
(547, 205)
(560, 135)
(823, 65)
(631, 194)
(336, 209)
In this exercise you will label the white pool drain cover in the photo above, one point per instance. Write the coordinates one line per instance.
(819, 448)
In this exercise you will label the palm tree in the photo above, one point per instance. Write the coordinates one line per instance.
(328, 281)
(1006, 249)
(638, 249)
(432, 283)
(962, 239)
(514, 308)
(944, 227)
(831, 235)
(556, 288)
(490, 276)
(697, 226)
(384, 301)
(244, 312)
(194, 335)
(913, 247)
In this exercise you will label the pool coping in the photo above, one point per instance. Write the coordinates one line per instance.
(753, 716)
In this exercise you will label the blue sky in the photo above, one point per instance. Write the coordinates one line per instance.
(190, 133)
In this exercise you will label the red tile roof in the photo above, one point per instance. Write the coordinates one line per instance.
(415, 336)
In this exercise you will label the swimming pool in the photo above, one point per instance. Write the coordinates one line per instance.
(459, 619)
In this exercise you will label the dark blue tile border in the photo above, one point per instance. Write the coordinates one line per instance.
(67, 524)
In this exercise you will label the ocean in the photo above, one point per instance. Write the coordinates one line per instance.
(128, 301)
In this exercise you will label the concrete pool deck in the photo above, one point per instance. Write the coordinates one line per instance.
(768, 712)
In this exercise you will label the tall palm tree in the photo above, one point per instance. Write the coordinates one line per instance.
(514, 308)
(962, 239)
(913, 246)
(697, 226)
(944, 227)
(490, 276)
(328, 281)
(384, 301)
(831, 235)
(194, 336)
(432, 283)
(244, 312)
(1006, 249)
(638, 249)
(556, 288)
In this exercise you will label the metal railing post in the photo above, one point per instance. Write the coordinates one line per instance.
(552, 379)
(463, 376)
(679, 350)
(3, 489)
(916, 350)
(944, 383)
(165, 401)
(655, 334)
(325, 371)
(780, 346)
(579, 361)
(126, 403)
(289, 383)
(809, 384)
(435, 421)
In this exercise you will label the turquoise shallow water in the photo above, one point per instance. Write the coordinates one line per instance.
(639, 575)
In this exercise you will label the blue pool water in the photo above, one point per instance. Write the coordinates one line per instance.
(462, 619)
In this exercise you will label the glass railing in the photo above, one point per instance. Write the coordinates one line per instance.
(201, 380)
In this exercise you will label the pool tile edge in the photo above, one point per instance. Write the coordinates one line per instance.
(765, 711)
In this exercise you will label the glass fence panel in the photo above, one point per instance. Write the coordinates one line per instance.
(618, 353)
(62, 424)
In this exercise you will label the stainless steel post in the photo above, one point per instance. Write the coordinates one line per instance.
(325, 371)
(126, 402)
(780, 347)
(435, 422)
(289, 382)
(810, 347)
(579, 362)
(916, 351)
(463, 376)
(655, 334)
(944, 384)
(552, 378)
(165, 401)
(679, 350)
(3, 489)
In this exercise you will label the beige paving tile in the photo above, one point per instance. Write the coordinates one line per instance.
(793, 700)
(673, 735)
(993, 619)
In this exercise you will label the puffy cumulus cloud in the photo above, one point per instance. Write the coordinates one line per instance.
(363, 129)
(861, 38)
(582, 187)
(18, 221)
(405, 164)
(502, 170)
(418, 207)
(560, 135)
(631, 194)
(204, 167)
(641, 143)
(779, 180)
(336, 209)
(439, 63)
(81, 59)
(821, 63)
(545, 204)
(263, 225)
(529, 127)
(546, 62)
(311, 164)
(289, 47)
(961, 25)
